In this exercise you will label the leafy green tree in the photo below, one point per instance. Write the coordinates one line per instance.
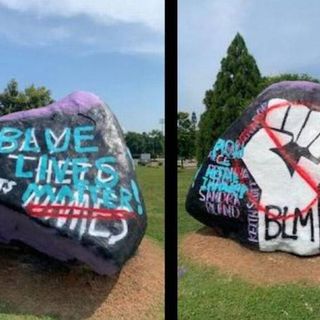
(237, 83)
(13, 100)
(147, 143)
(152, 142)
(186, 136)
(157, 141)
(135, 143)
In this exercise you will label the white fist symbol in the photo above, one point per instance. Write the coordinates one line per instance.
(283, 156)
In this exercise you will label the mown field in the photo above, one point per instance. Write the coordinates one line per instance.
(151, 181)
(207, 293)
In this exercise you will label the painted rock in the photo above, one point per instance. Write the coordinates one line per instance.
(260, 181)
(67, 184)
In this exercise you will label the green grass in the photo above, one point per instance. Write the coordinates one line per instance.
(185, 222)
(151, 182)
(22, 317)
(207, 293)
(7, 313)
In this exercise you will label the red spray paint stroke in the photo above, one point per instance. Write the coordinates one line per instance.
(256, 122)
(54, 211)
(300, 170)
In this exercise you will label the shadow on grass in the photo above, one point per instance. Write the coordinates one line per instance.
(34, 284)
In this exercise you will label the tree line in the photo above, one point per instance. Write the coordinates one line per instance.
(151, 142)
(237, 83)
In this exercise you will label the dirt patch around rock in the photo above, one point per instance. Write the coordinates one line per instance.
(77, 293)
(207, 247)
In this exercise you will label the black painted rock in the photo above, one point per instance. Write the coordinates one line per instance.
(67, 184)
(260, 181)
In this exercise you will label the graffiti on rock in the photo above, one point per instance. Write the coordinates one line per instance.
(6, 185)
(288, 143)
(267, 177)
(73, 192)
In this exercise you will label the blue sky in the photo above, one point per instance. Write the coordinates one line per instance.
(282, 35)
(114, 49)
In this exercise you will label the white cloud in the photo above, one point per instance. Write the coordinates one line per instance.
(147, 12)
(32, 34)
(82, 30)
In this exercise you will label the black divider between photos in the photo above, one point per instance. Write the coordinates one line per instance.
(171, 159)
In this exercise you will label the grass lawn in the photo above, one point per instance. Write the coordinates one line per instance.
(185, 222)
(151, 181)
(207, 293)
(7, 313)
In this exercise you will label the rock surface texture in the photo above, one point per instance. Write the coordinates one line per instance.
(67, 184)
(260, 182)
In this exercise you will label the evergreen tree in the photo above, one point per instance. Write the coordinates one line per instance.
(237, 83)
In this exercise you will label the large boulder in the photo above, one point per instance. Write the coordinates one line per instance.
(67, 184)
(260, 181)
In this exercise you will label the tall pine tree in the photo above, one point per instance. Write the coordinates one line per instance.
(236, 85)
